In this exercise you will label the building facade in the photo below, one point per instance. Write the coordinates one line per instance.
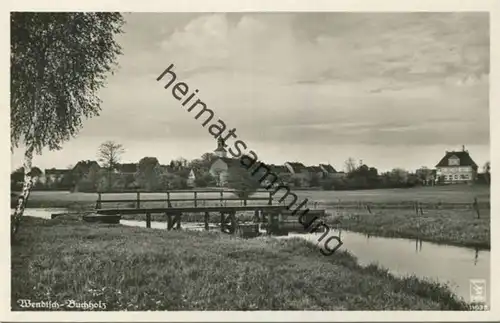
(456, 167)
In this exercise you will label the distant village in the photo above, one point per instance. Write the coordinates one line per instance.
(214, 169)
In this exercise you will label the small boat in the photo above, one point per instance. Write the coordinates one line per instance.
(98, 218)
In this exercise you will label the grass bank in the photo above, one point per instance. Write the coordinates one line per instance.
(453, 227)
(145, 269)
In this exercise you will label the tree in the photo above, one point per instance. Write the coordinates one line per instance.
(59, 61)
(398, 177)
(242, 181)
(148, 173)
(204, 163)
(109, 154)
(315, 180)
(204, 179)
(350, 165)
(487, 171)
(17, 176)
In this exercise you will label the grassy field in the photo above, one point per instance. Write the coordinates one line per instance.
(392, 213)
(453, 227)
(145, 269)
(444, 194)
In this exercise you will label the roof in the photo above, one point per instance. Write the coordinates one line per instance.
(54, 171)
(328, 168)
(314, 169)
(86, 165)
(279, 169)
(298, 167)
(463, 156)
(127, 168)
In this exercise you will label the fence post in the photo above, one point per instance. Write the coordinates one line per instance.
(270, 199)
(221, 198)
(98, 203)
(195, 195)
(206, 220)
(148, 220)
(476, 207)
(168, 200)
(138, 200)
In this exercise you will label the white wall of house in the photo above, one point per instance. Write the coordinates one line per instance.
(456, 174)
(191, 178)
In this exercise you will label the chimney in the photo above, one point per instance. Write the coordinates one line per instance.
(463, 147)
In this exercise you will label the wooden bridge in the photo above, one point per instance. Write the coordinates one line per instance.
(228, 207)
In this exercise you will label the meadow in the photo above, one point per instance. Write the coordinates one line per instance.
(131, 268)
(459, 227)
(444, 194)
(447, 215)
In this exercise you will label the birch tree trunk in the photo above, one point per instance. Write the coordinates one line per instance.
(29, 182)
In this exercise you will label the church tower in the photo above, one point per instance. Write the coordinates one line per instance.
(220, 151)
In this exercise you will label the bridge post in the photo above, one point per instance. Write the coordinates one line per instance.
(148, 220)
(169, 204)
(256, 217)
(206, 220)
(178, 219)
(138, 200)
(270, 223)
(98, 203)
(232, 218)
(169, 221)
(222, 221)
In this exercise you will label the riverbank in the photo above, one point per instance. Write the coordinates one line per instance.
(145, 269)
(453, 227)
(457, 227)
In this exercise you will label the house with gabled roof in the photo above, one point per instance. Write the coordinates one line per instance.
(128, 168)
(83, 167)
(315, 170)
(53, 175)
(279, 169)
(221, 165)
(296, 167)
(456, 167)
(327, 168)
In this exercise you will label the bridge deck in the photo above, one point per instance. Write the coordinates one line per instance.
(193, 209)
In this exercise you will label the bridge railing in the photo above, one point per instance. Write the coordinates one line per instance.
(196, 200)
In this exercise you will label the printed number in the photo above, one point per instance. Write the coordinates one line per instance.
(479, 307)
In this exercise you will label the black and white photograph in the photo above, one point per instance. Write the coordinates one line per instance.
(287, 161)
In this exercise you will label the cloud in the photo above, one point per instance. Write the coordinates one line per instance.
(288, 77)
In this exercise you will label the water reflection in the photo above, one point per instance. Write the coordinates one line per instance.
(448, 264)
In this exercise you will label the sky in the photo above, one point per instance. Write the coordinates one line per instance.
(389, 89)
